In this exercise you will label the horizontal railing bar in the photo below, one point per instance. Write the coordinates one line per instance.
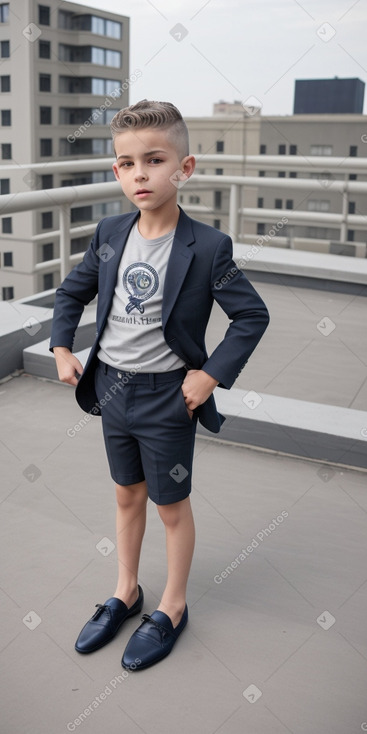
(74, 195)
(349, 164)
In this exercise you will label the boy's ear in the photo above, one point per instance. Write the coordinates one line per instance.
(188, 165)
(115, 169)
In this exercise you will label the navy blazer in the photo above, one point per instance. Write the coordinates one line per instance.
(200, 269)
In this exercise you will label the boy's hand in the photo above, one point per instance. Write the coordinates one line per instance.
(197, 388)
(67, 365)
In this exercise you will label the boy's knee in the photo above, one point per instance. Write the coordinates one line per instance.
(131, 495)
(173, 514)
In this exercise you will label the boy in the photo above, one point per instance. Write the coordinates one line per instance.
(156, 272)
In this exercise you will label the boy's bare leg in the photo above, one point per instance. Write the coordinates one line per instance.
(180, 540)
(130, 527)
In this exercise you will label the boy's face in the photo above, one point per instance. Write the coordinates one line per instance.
(146, 164)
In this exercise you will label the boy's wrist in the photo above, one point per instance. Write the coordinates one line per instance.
(60, 350)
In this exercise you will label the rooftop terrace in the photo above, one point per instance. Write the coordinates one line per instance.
(277, 638)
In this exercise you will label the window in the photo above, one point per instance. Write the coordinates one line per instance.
(318, 205)
(79, 244)
(104, 27)
(292, 150)
(353, 150)
(8, 259)
(4, 185)
(260, 228)
(82, 214)
(352, 207)
(321, 150)
(45, 115)
(48, 281)
(5, 83)
(281, 149)
(293, 174)
(193, 199)
(217, 199)
(47, 181)
(281, 174)
(4, 12)
(278, 203)
(111, 58)
(6, 118)
(112, 29)
(47, 220)
(8, 293)
(262, 149)
(7, 225)
(289, 204)
(48, 252)
(44, 49)
(260, 202)
(90, 54)
(5, 49)
(219, 171)
(350, 235)
(101, 117)
(45, 82)
(261, 174)
(219, 146)
(199, 147)
(93, 23)
(89, 85)
(44, 15)
(6, 151)
(216, 224)
(46, 146)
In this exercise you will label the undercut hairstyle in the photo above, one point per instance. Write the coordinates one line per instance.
(160, 115)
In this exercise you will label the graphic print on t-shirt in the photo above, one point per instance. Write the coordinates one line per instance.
(141, 282)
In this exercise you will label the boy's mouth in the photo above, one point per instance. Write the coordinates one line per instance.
(141, 192)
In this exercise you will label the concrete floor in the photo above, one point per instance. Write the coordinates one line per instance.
(277, 643)
(296, 358)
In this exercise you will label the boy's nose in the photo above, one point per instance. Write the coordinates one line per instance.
(140, 175)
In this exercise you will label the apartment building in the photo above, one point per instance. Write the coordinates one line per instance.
(302, 136)
(64, 73)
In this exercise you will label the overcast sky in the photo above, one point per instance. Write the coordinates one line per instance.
(239, 49)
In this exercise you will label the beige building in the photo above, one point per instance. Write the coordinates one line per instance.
(303, 136)
(64, 73)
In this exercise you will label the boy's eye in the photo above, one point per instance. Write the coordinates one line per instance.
(125, 164)
(155, 160)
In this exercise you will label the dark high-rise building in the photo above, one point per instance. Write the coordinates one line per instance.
(328, 96)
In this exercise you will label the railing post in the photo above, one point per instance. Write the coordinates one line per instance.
(233, 212)
(345, 212)
(64, 214)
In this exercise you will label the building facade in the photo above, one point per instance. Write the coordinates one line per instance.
(306, 137)
(64, 73)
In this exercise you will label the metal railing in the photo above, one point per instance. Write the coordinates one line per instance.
(67, 197)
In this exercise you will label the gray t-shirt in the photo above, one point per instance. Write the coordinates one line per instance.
(133, 333)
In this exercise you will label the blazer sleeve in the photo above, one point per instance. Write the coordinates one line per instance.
(74, 293)
(247, 312)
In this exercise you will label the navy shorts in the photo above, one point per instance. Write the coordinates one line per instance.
(147, 430)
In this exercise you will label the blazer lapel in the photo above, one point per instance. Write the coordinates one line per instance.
(178, 264)
(116, 241)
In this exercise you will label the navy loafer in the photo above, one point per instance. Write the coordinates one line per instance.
(152, 641)
(106, 622)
